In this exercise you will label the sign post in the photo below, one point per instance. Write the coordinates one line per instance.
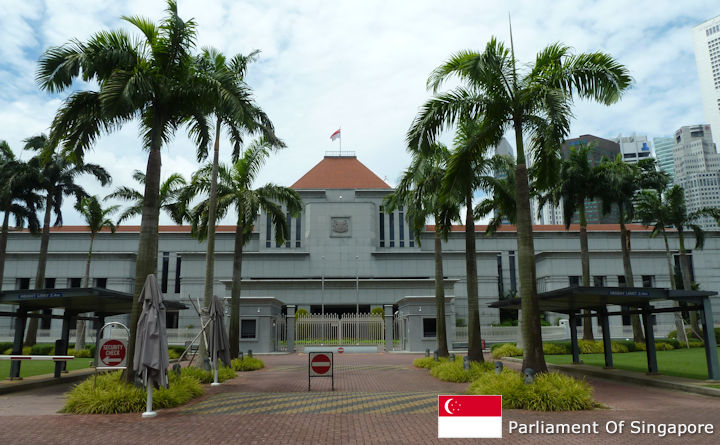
(320, 364)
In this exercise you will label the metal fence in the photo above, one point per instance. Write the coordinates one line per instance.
(334, 330)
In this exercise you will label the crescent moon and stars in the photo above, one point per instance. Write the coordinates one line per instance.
(452, 408)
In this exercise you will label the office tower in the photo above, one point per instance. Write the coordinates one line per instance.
(633, 148)
(706, 38)
(664, 154)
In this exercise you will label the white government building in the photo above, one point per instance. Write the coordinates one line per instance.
(346, 254)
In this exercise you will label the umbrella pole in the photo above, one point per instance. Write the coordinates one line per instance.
(148, 409)
(215, 383)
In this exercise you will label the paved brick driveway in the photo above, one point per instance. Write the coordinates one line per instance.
(379, 398)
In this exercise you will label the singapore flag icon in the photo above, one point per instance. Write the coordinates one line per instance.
(469, 416)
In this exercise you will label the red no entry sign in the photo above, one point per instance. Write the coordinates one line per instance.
(112, 353)
(320, 364)
(341, 350)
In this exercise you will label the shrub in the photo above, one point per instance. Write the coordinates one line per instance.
(202, 376)
(82, 353)
(25, 351)
(550, 391)
(555, 349)
(428, 362)
(640, 346)
(694, 343)
(378, 311)
(663, 346)
(4, 346)
(629, 344)
(507, 350)
(109, 394)
(498, 345)
(247, 364)
(618, 347)
(674, 342)
(173, 354)
(42, 349)
(455, 371)
(590, 347)
(301, 313)
(688, 331)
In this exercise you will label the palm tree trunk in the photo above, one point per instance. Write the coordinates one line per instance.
(687, 282)
(442, 343)
(234, 337)
(3, 245)
(80, 325)
(638, 335)
(475, 352)
(31, 336)
(146, 262)
(533, 356)
(212, 212)
(682, 338)
(585, 262)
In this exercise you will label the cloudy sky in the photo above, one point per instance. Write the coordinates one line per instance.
(361, 65)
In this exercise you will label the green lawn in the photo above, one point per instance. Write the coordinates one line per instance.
(38, 367)
(689, 363)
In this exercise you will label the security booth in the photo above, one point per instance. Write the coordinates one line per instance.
(641, 300)
(420, 322)
(261, 323)
(99, 301)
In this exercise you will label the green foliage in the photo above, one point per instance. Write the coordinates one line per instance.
(630, 345)
(173, 354)
(555, 348)
(455, 371)
(202, 376)
(590, 347)
(663, 346)
(460, 322)
(639, 346)
(4, 346)
(247, 364)
(428, 362)
(82, 353)
(301, 313)
(690, 335)
(550, 391)
(42, 349)
(109, 394)
(378, 311)
(507, 350)
(497, 345)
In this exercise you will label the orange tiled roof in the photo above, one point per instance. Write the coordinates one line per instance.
(133, 229)
(335, 172)
(554, 228)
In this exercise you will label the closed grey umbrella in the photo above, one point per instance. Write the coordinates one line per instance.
(151, 359)
(219, 347)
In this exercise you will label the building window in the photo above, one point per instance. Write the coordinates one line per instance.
(647, 280)
(411, 237)
(248, 329)
(268, 230)
(599, 281)
(289, 232)
(401, 228)
(392, 229)
(166, 266)
(513, 282)
(625, 315)
(574, 280)
(22, 283)
(429, 328)
(621, 281)
(46, 321)
(178, 265)
(101, 282)
(297, 231)
(171, 319)
(382, 227)
(74, 282)
(49, 283)
(500, 284)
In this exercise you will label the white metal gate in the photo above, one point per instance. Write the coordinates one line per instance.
(279, 333)
(334, 330)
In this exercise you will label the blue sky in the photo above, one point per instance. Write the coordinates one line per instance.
(362, 66)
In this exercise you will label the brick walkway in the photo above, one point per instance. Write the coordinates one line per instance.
(379, 398)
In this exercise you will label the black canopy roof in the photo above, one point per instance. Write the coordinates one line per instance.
(575, 298)
(78, 299)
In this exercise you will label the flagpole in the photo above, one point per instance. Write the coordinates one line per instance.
(340, 140)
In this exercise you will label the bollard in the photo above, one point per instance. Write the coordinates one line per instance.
(452, 357)
(176, 369)
(498, 367)
(250, 353)
(466, 363)
(435, 356)
(529, 376)
(427, 352)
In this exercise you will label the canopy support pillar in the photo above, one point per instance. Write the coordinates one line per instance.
(63, 342)
(20, 319)
(647, 318)
(574, 339)
(607, 345)
(710, 343)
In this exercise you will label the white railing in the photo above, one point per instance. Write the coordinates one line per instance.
(333, 330)
(495, 334)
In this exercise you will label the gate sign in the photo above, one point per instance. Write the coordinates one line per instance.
(320, 364)
(112, 353)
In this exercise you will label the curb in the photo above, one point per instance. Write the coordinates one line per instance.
(43, 381)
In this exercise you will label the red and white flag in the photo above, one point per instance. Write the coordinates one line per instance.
(469, 416)
(335, 135)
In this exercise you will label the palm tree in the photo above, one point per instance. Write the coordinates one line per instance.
(239, 115)
(154, 78)
(469, 169)
(56, 176)
(535, 103)
(234, 191)
(577, 183)
(17, 198)
(619, 183)
(97, 218)
(168, 196)
(417, 192)
(678, 216)
(501, 197)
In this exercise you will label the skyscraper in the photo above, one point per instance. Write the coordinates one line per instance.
(706, 37)
(633, 148)
(664, 154)
(697, 170)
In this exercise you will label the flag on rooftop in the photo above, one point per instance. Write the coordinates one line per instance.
(335, 135)
(469, 416)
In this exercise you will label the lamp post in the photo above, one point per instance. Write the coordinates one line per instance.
(322, 287)
(357, 299)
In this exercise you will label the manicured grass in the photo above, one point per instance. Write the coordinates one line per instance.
(689, 363)
(39, 367)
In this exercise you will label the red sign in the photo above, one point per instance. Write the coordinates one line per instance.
(320, 364)
(112, 353)
(341, 350)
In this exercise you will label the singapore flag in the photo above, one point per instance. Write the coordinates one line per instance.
(469, 416)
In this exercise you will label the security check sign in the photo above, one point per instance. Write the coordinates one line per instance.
(112, 353)
(320, 364)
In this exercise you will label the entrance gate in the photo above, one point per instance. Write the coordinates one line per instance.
(331, 329)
